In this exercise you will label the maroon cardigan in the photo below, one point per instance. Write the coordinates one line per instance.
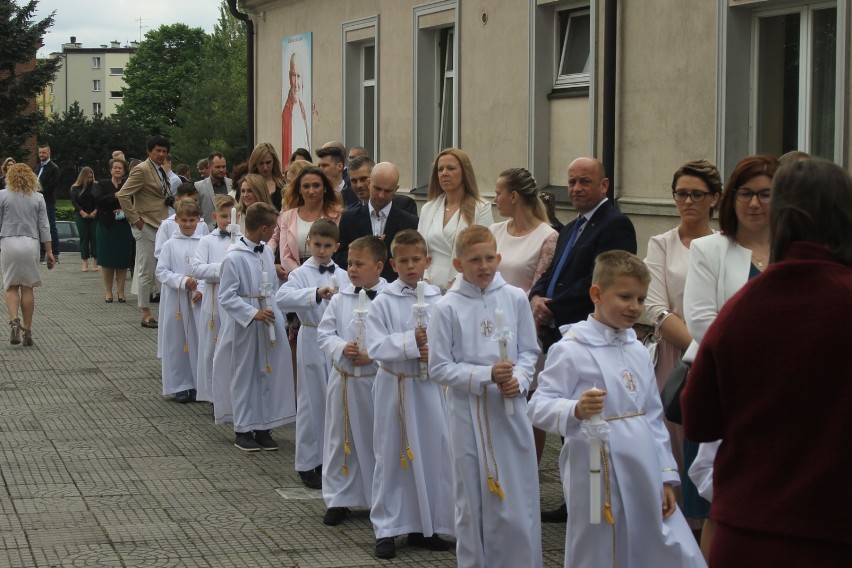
(773, 380)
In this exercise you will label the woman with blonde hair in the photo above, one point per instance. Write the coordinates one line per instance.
(85, 213)
(6, 164)
(23, 224)
(252, 190)
(453, 204)
(264, 161)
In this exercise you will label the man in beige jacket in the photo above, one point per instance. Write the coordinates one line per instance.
(142, 199)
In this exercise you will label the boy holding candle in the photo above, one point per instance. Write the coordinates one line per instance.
(307, 292)
(600, 368)
(497, 521)
(168, 227)
(177, 335)
(205, 266)
(348, 460)
(412, 487)
(252, 367)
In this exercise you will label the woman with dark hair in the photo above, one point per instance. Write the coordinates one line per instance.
(309, 197)
(771, 380)
(116, 245)
(301, 154)
(7, 163)
(453, 204)
(85, 212)
(264, 160)
(23, 224)
(721, 264)
(696, 190)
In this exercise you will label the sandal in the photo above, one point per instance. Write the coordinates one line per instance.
(108, 300)
(15, 331)
(121, 300)
(27, 336)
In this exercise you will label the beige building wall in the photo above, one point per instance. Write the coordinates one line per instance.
(74, 80)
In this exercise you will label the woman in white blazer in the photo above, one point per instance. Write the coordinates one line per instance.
(453, 204)
(721, 264)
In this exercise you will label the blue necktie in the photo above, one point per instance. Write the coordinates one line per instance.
(564, 258)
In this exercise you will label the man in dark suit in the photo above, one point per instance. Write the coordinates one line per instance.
(561, 295)
(360, 169)
(48, 176)
(378, 216)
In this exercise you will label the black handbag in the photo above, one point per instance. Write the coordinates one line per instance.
(671, 392)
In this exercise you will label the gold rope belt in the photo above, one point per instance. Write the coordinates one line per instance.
(344, 374)
(306, 324)
(404, 446)
(493, 481)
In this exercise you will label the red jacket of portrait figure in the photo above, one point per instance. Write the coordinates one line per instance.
(287, 127)
(773, 380)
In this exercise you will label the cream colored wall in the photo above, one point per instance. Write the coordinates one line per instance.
(113, 82)
(569, 135)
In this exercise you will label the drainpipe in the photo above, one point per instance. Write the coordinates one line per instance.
(609, 91)
(232, 6)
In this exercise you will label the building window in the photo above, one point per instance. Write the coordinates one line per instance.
(360, 84)
(116, 70)
(795, 81)
(446, 92)
(96, 108)
(96, 62)
(573, 45)
(96, 85)
(116, 94)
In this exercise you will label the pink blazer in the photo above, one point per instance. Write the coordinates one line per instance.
(286, 236)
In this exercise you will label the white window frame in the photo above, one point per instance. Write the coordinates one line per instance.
(96, 62)
(96, 85)
(120, 95)
(365, 84)
(805, 11)
(573, 79)
(446, 71)
(97, 108)
(112, 71)
(354, 85)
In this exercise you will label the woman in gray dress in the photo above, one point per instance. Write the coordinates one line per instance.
(23, 223)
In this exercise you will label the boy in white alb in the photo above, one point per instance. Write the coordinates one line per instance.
(348, 460)
(168, 227)
(307, 292)
(600, 368)
(252, 366)
(412, 484)
(495, 472)
(177, 335)
(205, 266)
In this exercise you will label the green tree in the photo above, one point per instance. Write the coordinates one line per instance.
(157, 76)
(20, 38)
(213, 116)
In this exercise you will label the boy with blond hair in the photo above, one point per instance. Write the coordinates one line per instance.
(495, 472)
(600, 368)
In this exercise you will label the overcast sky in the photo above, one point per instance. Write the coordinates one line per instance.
(97, 22)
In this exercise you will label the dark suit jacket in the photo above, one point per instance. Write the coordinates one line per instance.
(350, 198)
(402, 201)
(49, 180)
(608, 229)
(356, 223)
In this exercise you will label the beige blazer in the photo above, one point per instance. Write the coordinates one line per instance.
(141, 196)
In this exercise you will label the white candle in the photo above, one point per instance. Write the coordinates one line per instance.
(362, 300)
(334, 283)
(421, 293)
(233, 215)
(266, 286)
(595, 472)
(500, 324)
(501, 319)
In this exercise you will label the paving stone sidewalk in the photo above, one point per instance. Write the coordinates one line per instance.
(99, 469)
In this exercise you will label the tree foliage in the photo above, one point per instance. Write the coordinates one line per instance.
(160, 73)
(20, 38)
(216, 118)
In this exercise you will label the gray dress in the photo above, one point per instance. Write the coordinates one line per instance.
(23, 224)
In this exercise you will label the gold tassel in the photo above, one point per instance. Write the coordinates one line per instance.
(345, 470)
(608, 515)
(179, 317)
(212, 325)
(410, 454)
(346, 449)
(268, 370)
(500, 492)
(186, 347)
(402, 461)
(492, 487)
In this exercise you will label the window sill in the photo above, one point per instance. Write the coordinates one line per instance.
(568, 92)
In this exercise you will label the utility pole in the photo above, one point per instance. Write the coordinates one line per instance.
(140, 19)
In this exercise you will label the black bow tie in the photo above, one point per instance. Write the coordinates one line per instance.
(330, 268)
(224, 234)
(258, 248)
(370, 293)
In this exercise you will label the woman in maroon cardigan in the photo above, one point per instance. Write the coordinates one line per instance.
(772, 381)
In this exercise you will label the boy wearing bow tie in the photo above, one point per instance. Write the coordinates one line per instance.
(600, 370)
(348, 461)
(252, 365)
(307, 293)
(205, 266)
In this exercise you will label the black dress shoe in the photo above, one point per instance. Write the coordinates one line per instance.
(192, 393)
(311, 479)
(385, 548)
(558, 515)
(335, 515)
(433, 542)
(154, 298)
(182, 397)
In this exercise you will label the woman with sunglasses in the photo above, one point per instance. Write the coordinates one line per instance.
(719, 266)
(696, 189)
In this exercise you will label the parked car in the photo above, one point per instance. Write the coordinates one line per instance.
(69, 239)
